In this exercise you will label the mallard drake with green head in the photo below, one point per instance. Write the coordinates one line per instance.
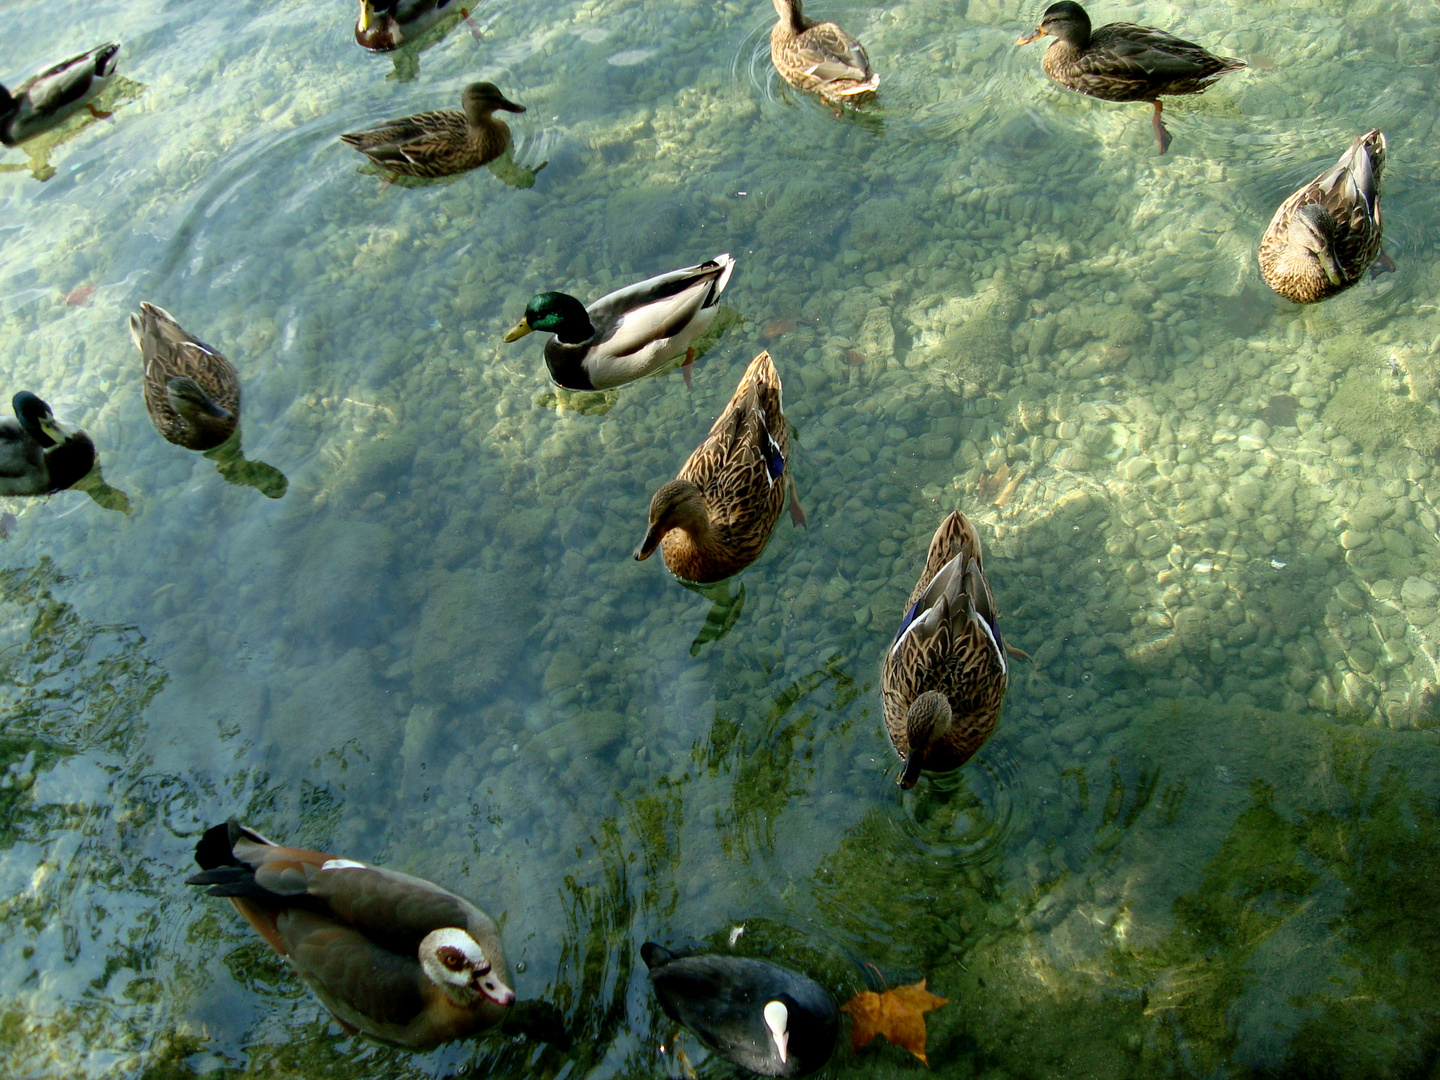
(715, 518)
(944, 677)
(1325, 236)
(388, 24)
(444, 142)
(629, 333)
(396, 957)
(1125, 62)
(819, 57)
(57, 93)
(191, 391)
(37, 455)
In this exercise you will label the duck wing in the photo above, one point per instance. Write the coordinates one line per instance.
(631, 318)
(1144, 54)
(411, 140)
(1350, 190)
(829, 54)
(356, 979)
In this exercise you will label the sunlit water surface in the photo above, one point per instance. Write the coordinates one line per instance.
(1203, 841)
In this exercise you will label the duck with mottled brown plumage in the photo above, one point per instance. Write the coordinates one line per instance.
(1125, 62)
(945, 675)
(1325, 236)
(820, 57)
(443, 142)
(716, 517)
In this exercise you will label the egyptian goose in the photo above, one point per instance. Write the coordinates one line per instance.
(393, 956)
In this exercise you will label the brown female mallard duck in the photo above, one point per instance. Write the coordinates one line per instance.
(387, 24)
(944, 677)
(1325, 236)
(819, 57)
(191, 391)
(716, 517)
(444, 142)
(1125, 62)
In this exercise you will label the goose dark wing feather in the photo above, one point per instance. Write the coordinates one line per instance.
(345, 967)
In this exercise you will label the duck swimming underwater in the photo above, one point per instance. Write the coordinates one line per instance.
(1125, 62)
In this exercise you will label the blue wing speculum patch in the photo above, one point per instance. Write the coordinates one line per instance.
(774, 459)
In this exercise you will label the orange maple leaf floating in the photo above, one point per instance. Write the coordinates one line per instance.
(897, 1014)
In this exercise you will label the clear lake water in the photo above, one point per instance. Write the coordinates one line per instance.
(1205, 838)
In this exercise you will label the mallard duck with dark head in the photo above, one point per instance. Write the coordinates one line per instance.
(1325, 236)
(945, 675)
(388, 24)
(443, 142)
(37, 455)
(819, 57)
(631, 332)
(1125, 62)
(48, 99)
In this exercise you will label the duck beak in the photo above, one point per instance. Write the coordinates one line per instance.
(1039, 33)
(910, 775)
(650, 543)
(1330, 266)
(367, 15)
(509, 106)
(496, 991)
(53, 428)
(520, 329)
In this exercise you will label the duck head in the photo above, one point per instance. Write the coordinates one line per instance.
(481, 99)
(1066, 21)
(377, 28)
(106, 58)
(454, 961)
(1312, 229)
(556, 313)
(777, 1020)
(677, 505)
(37, 420)
(928, 719)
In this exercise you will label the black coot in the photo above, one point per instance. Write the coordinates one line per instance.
(761, 1016)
